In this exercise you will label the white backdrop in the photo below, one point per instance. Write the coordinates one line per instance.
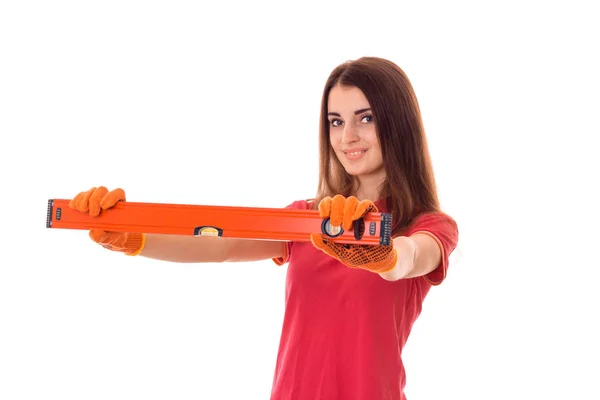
(187, 102)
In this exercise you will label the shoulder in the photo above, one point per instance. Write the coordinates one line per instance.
(305, 204)
(436, 220)
(444, 230)
(439, 225)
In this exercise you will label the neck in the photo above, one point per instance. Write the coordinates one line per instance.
(369, 187)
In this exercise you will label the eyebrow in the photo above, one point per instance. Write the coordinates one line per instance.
(362, 110)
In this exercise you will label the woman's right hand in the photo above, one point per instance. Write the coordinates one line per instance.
(93, 202)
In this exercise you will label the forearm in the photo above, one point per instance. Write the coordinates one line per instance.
(209, 249)
(406, 250)
(185, 249)
(418, 255)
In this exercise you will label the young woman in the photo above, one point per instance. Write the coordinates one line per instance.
(349, 309)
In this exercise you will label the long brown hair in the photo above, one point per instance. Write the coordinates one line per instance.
(409, 188)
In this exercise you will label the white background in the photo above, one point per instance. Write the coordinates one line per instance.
(191, 102)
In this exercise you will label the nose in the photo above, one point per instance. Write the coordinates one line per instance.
(350, 134)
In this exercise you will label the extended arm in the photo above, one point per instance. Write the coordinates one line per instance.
(418, 255)
(173, 248)
(189, 249)
(211, 249)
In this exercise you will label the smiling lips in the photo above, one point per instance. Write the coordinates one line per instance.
(354, 154)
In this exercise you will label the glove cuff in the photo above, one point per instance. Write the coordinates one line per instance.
(134, 244)
(385, 265)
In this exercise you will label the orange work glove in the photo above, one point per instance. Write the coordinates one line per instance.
(93, 202)
(343, 212)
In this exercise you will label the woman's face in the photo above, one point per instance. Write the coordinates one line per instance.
(353, 133)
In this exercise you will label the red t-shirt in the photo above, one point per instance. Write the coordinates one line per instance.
(344, 329)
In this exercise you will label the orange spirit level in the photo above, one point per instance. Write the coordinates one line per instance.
(226, 221)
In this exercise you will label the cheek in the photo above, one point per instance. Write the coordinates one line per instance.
(371, 137)
(335, 138)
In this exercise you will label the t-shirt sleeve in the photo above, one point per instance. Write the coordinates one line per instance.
(296, 205)
(444, 230)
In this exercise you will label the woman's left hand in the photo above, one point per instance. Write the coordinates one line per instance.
(343, 211)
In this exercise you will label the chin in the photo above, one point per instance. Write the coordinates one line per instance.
(356, 171)
(361, 171)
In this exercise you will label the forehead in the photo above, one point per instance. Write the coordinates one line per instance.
(346, 98)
